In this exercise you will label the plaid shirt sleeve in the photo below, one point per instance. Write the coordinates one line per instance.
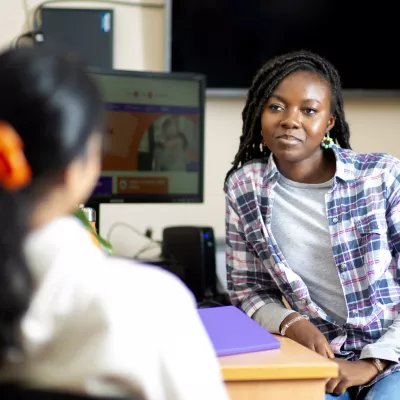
(387, 347)
(393, 215)
(249, 284)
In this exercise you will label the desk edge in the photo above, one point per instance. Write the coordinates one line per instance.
(279, 372)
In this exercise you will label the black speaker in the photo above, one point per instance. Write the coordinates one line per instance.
(193, 249)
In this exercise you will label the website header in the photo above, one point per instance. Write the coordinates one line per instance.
(148, 90)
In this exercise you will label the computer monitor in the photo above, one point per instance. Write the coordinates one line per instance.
(154, 149)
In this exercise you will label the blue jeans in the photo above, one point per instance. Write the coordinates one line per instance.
(386, 389)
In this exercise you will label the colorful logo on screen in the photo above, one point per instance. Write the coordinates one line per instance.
(142, 185)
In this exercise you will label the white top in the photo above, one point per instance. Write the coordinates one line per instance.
(107, 326)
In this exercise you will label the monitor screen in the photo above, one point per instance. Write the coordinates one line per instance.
(155, 136)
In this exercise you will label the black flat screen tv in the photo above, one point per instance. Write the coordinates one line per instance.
(228, 40)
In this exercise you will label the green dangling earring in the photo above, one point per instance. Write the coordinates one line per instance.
(327, 141)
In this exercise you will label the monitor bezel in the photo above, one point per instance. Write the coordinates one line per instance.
(116, 198)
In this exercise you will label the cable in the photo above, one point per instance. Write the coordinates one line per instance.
(37, 21)
(26, 10)
(147, 248)
(208, 304)
(171, 258)
(130, 227)
(28, 35)
(147, 235)
(208, 300)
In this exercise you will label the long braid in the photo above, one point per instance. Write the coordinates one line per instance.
(265, 81)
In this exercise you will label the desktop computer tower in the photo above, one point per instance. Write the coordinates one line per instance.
(193, 249)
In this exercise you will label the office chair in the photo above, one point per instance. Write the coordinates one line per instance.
(17, 392)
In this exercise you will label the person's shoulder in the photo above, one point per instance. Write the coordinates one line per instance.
(370, 164)
(251, 171)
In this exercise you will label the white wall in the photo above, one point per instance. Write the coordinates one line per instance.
(139, 44)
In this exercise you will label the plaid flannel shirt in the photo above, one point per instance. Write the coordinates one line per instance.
(363, 211)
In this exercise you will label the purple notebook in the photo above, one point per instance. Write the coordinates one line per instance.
(232, 332)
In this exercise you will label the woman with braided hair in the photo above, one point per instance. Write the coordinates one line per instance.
(311, 221)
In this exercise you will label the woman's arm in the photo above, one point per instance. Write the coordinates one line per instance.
(250, 286)
(387, 347)
(271, 316)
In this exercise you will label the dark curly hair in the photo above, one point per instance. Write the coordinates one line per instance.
(265, 81)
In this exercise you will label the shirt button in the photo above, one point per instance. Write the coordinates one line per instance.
(354, 312)
(268, 221)
(304, 301)
(343, 266)
(334, 220)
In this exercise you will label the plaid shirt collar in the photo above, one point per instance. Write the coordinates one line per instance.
(345, 169)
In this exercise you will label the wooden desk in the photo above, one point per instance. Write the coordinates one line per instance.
(291, 372)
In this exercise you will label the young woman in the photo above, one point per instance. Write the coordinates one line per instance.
(71, 318)
(311, 221)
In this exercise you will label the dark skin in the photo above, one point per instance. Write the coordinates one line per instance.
(295, 119)
(351, 373)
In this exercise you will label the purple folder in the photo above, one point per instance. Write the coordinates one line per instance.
(232, 332)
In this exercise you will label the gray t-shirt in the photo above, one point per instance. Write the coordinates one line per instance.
(300, 227)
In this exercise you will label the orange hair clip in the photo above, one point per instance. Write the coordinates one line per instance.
(15, 172)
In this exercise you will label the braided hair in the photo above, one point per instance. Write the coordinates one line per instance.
(265, 81)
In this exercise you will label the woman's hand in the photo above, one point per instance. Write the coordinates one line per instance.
(351, 373)
(306, 334)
